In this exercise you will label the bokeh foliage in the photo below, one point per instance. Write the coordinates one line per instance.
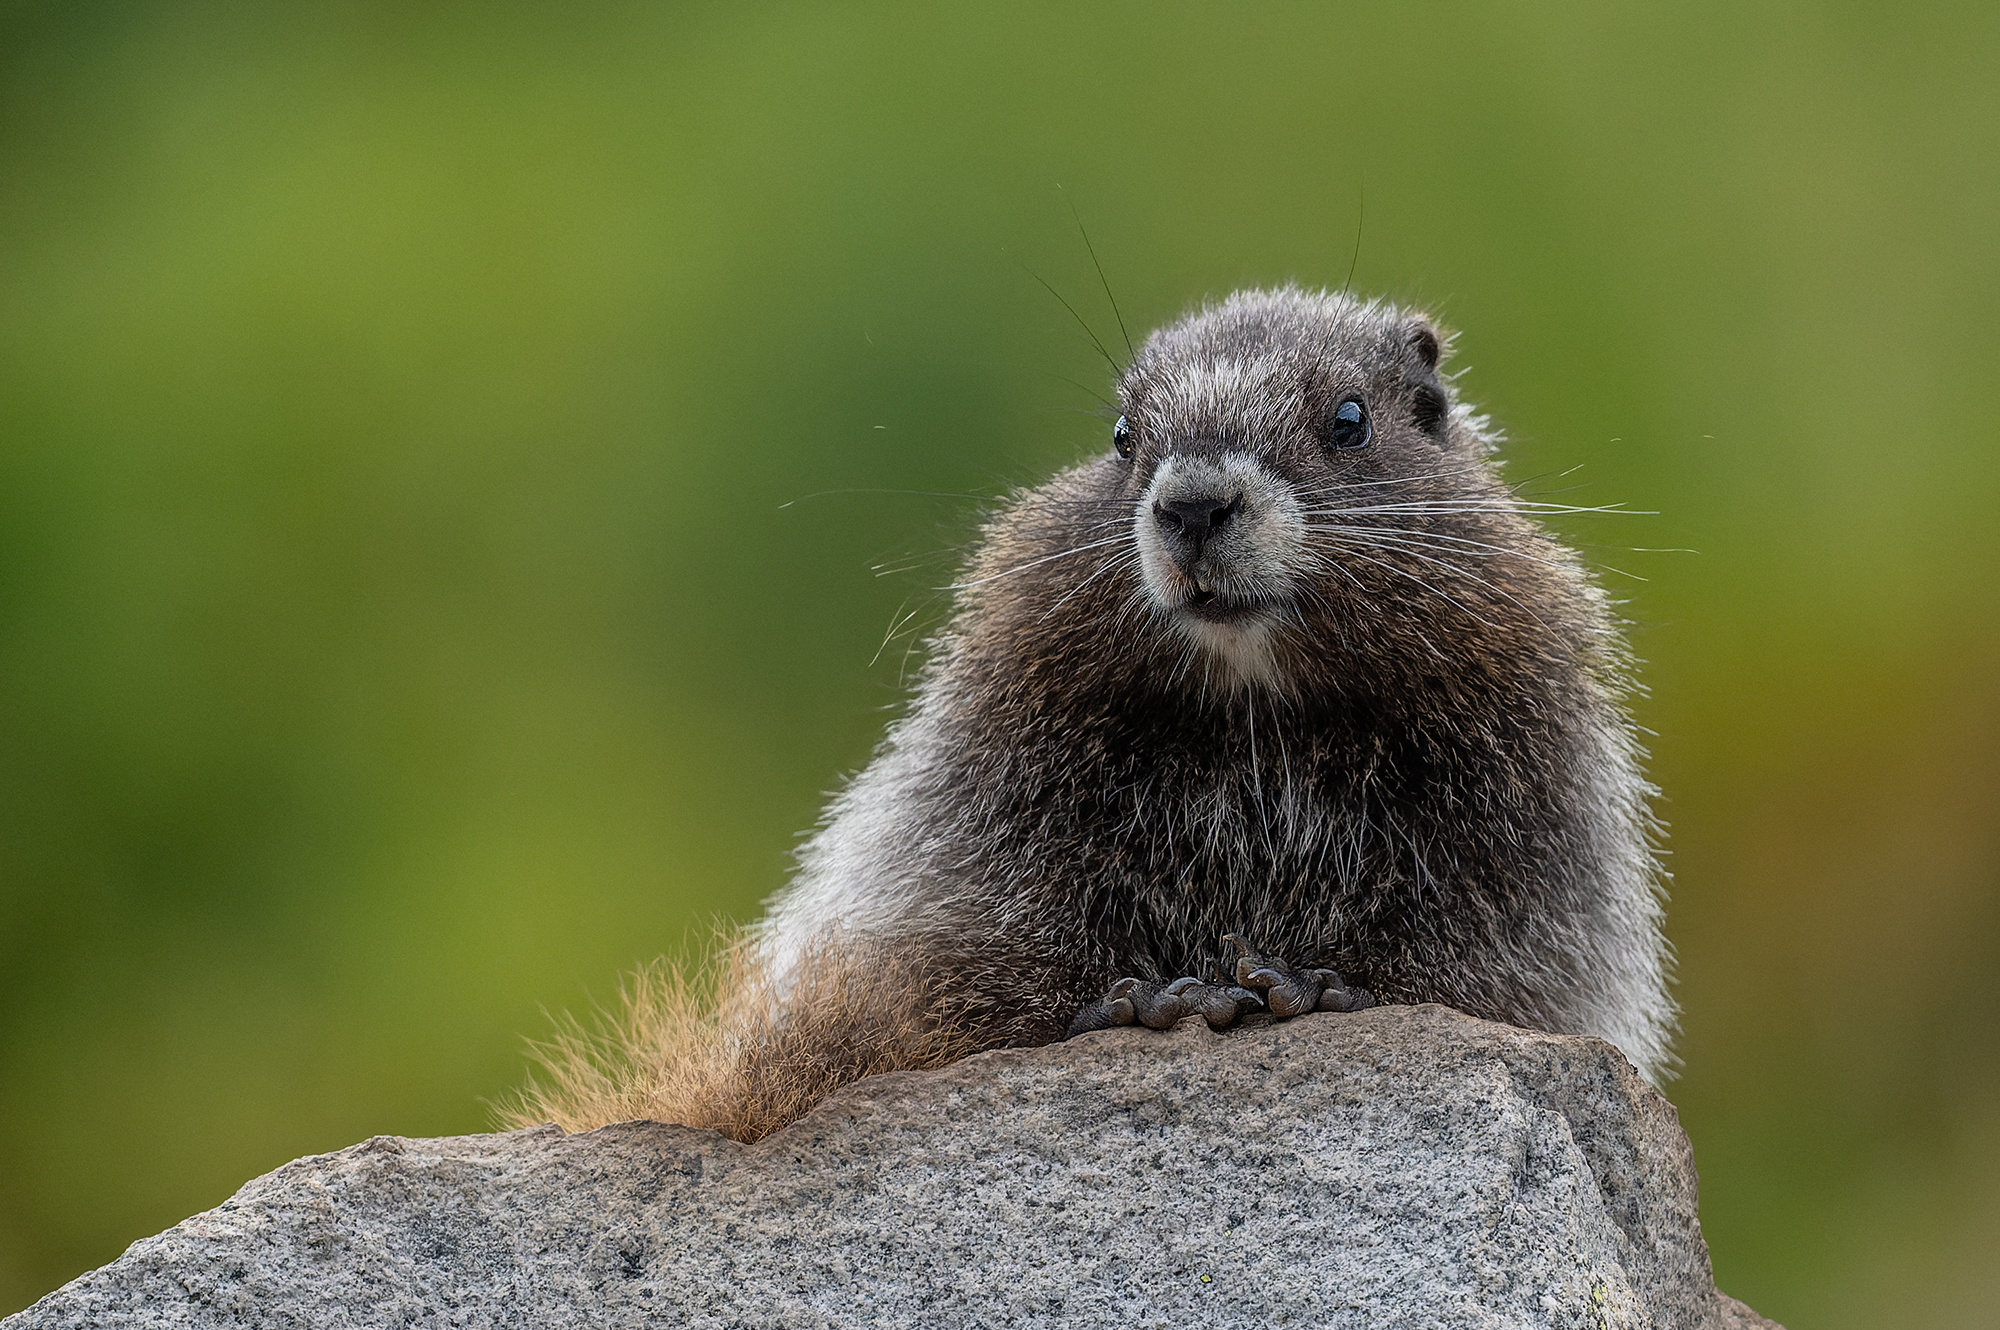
(443, 451)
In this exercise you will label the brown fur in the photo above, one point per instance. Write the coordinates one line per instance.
(704, 1045)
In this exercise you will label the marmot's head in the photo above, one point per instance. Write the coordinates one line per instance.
(1290, 452)
(1294, 501)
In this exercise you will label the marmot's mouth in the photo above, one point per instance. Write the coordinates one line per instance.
(1211, 608)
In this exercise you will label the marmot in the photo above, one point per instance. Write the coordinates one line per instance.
(1286, 662)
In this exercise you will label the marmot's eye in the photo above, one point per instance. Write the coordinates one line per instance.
(1349, 428)
(1121, 437)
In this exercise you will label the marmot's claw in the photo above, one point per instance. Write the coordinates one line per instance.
(1293, 992)
(1159, 1007)
(1114, 1008)
(1339, 995)
(1289, 992)
(1219, 1004)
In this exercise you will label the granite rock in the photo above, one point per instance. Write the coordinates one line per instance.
(1405, 1166)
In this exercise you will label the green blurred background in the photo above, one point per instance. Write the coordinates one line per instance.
(403, 629)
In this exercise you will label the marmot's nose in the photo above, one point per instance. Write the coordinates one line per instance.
(1196, 519)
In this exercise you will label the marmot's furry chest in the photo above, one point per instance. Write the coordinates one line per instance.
(1321, 832)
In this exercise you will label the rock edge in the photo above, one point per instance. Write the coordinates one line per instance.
(1400, 1166)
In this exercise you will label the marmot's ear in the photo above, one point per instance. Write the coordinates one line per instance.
(1424, 340)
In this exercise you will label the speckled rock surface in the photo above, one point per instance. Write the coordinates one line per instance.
(1405, 1166)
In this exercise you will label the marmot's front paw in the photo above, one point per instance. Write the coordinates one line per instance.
(1290, 992)
(1159, 1006)
(1261, 984)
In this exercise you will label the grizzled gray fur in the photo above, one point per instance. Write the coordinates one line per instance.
(1288, 661)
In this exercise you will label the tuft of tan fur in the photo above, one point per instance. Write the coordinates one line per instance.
(728, 1045)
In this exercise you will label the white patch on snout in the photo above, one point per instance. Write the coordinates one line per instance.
(1252, 562)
